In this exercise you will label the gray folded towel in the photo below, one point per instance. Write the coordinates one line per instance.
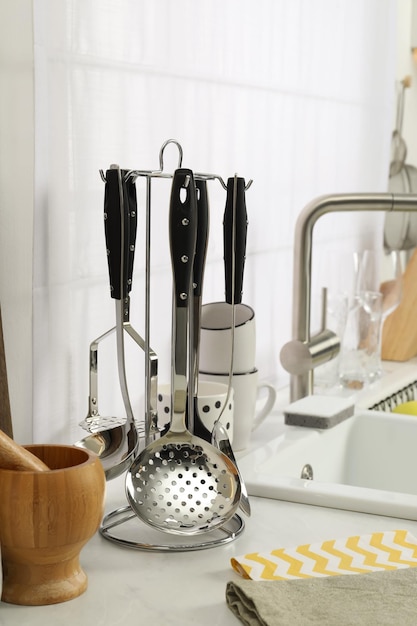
(386, 598)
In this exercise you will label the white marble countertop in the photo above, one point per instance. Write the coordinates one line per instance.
(188, 588)
(129, 586)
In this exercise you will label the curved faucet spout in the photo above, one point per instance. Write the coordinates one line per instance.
(301, 384)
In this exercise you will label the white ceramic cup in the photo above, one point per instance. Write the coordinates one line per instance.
(212, 396)
(247, 391)
(216, 338)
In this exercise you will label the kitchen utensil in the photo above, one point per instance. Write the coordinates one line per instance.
(180, 483)
(398, 145)
(228, 328)
(196, 426)
(401, 234)
(400, 228)
(211, 399)
(116, 445)
(15, 457)
(220, 439)
(94, 422)
(46, 517)
(234, 233)
(235, 225)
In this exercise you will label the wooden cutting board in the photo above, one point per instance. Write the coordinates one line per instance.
(399, 332)
(5, 415)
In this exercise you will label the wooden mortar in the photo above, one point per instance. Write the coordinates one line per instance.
(46, 517)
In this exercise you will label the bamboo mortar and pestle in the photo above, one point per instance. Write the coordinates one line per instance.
(15, 457)
(52, 503)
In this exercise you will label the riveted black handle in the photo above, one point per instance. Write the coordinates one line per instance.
(120, 227)
(202, 236)
(182, 233)
(235, 219)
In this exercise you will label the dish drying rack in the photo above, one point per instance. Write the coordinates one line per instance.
(124, 519)
(389, 403)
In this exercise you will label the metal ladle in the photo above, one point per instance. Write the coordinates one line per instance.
(219, 436)
(180, 483)
(234, 227)
(117, 444)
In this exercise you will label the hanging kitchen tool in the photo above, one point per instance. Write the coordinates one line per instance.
(117, 442)
(182, 484)
(196, 426)
(235, 223)
(235, 226)
(219, 436)
(398, 145)
(400, 227)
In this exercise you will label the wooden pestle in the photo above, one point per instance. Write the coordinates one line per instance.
(15, 457)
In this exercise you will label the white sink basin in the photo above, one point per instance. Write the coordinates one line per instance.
(368, 463)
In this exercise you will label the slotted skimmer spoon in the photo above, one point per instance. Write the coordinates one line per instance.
(180, 483)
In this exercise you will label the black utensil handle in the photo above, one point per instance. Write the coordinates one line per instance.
(182, 233)
(238, 251)
(130, 194)
(202, 236)
(117, 198)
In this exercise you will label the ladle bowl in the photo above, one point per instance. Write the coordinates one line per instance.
(182, 484)
(114, 446)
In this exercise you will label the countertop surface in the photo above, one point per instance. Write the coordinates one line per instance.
(127, 586)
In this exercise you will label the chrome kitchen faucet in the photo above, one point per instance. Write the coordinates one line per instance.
(303, 353)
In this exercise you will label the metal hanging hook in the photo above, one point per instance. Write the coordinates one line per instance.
(158, 173)
(161, 153)
(161, 174)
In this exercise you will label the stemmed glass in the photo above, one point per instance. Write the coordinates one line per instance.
(373, 301)
(369, 278)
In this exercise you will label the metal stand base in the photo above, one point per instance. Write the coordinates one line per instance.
(227, 533)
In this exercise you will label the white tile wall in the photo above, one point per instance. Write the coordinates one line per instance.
(296, 94)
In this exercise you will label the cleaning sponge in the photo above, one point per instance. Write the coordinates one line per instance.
(319, 411)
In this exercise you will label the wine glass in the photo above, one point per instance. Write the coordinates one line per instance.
(370, 275)
(378, 292)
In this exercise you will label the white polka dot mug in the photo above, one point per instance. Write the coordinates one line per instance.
(211, 399)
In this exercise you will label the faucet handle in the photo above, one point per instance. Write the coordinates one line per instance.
(300, 357)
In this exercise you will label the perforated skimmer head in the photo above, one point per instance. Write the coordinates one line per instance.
(183, 485)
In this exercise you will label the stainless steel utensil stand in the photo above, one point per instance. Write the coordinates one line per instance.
(124, 519)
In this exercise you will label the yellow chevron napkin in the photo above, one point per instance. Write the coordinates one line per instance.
(359, 554)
